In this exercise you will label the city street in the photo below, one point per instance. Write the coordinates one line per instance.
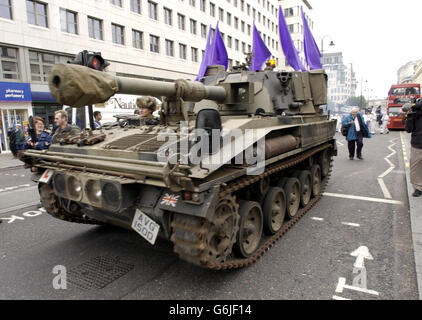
(322, 257)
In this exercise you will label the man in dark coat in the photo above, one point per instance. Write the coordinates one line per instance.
(12, 141)
(414, 126)
(357, 130)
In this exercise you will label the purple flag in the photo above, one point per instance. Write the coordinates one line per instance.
(205, 58)
(287, 44)
(218, 54)
(260, 52)
(312, 53)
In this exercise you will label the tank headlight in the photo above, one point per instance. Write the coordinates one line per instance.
(74, 188)
(59, 184)
(93, 191)
(111, 195)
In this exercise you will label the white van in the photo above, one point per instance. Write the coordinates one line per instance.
(118, 104)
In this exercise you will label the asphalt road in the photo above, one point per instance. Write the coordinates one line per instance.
(312, 261)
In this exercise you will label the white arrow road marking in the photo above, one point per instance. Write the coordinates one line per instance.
(361, 254)
(342, 285)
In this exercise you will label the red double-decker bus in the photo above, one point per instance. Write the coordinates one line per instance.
(398, 95)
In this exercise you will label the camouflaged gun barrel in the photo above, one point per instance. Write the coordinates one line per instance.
(78, 86)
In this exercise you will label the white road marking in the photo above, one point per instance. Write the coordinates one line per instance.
(351, 224)
(339, 298)
(10, 190)
(342, 285)
(345, 196)
(384, 188)
(341, 144)
(406, 160)
(317, 219)
(361, 254)
(28, 214)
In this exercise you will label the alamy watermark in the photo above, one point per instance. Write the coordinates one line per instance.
(212, 148)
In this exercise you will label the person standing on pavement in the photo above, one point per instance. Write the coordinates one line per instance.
(20, 138)
(97, 118)
(43, 137)
(357, 130)
(372, 121)
(12, 141)
(414, 126)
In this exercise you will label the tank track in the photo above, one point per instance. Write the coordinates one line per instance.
(51, 204)
(192, 247)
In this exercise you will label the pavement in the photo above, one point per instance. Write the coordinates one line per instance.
(415, 211)
(8, 161)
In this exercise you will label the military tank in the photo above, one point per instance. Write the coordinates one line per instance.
(220, 209)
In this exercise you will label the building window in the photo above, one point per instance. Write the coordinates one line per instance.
(192, 26)
(9, 63)
(236, 23)
(229, 19)
(95, 28)
(236, 45)
(118, 33)
(168, 16)
(181, 21)
(221, 14)
(69, 21)
(212, 9)
(37, 13)
(202, 5)
(242, 24)
(182, 51)
(192, 3)
(137, 39)
(203, 30)
(229, 41)
(116, 2)
(154, 45)
(135, 6)
(41, 64)
(6, 9)
(170, 48)
(194, 53)
(152, 10)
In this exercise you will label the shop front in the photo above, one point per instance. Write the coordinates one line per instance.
(15, 108)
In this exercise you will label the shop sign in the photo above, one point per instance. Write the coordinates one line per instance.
(15, 92)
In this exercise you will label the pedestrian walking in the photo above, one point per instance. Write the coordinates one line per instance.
(385, 120)
(12, 141)
(357, 130)
(414, 126)
(372, 122)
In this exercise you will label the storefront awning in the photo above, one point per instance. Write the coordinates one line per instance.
(40, 96)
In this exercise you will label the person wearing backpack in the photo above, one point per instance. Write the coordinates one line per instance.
(356, 131)
(414, 126)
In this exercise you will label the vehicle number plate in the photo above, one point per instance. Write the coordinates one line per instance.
(46, 176)
(145, 226)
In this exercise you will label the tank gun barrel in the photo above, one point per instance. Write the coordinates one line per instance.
(78, 86)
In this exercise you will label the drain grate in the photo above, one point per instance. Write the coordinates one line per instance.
(98, 272)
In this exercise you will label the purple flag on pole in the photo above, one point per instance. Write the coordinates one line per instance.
(260, 52)
(312, 53)
(219, 54)
(287, 44)
(205, 58)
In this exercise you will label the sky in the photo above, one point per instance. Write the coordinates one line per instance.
(376, 36)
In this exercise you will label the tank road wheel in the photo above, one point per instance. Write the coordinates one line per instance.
(200, 241)
(305, 180)
(274, 210)
(316, 180)
(324, 162)
(223, 230)
(250, 229)
(292, 191)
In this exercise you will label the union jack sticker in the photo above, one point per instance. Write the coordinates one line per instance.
(170, 200)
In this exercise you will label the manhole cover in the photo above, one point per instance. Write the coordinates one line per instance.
(98, 272)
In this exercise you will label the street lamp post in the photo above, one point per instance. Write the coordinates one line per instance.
(322, 46)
